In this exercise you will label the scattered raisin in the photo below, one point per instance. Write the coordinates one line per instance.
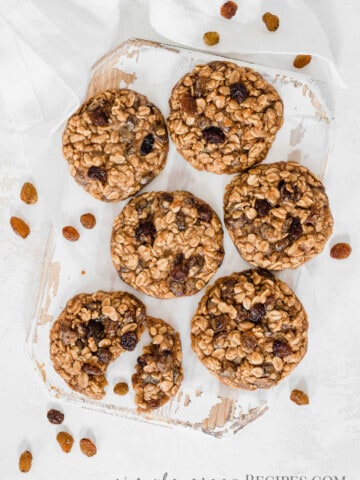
(97, 173)
(145, 232)
(141, 361)
(28, 193)
(238, 92)
(88, 220)
(91, 369)
(262, 207)
(340, 251)
(228, 10)
(147, 144)
(177, 288)
(87, 447)
(25, 461)
(180, 220)
(219, 323)
(299, 397)
(95, 329)
(55, 416)
(180, 270)
(295, 229)
(301, 61)
(121, 388)
(204, 212)
(288, 192)
(257, 312)
(129, 341)
(248, 341)
(65, 440)
(188, 104)
(197, 261)
(271, 21)
(99, 117)
(20, 227)
(104, 355)
(211, 38)
(214, 135)
(70, 233)
(281, 348)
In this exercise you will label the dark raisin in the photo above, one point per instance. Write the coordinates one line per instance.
(288, 192)
(179, 273)
(204, 212)
(129, 341)
(295, 229)
(242, 314)
(238, 92)
(91, 369)
(179, 259)
(214, 135)
(145, 232)
(178, 289)
(262, 207)
(55, 416)
(94, 329)
(197, 261)
(270, 302)
(167, 197)
(80, 344)
(104, 355)
(141, 361)
(257, 312)
(99, 117)
(281, 348)
(188, 104)
(280, 245)
(268, 368)
(219, 323)
(181, 221)
(97, 173)
(67, 335)
(227, 290)
(248, 341)
(147, 144)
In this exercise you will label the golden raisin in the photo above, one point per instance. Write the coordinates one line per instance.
(301, 61)
(121, 388)
(25, 461)
(70, 233)
(271, 21)
(20, 227)
(65, 440)
(340, 251)
(28, 193)
(211, 38)
(82, 272)
(87, 447)
(88, 220)
(299, 397)
(228, 10)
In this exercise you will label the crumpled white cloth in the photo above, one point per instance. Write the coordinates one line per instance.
(300, 32)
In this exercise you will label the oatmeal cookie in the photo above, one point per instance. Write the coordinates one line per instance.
(92, 331)
(158, 371)
(224, 118)
(250, 330)
(167, 244)
(277, 215)
(115, 144)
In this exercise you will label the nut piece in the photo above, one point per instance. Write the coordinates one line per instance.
(25, 461)
(301, 61)
(299, 397)
(28, 193)
(340, 251)
(87, 447)
(88, 220)
(211, 38)
(20, 227)
(65, 440)
(271, 21)
(228, 10)
(55, 416)
(70, 233)
(121, 388)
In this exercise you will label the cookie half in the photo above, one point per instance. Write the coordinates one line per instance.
(223, 117)
(158, 371)
(115, 144)
(277, 215)
(167, 244)
(92, 331)
(250, 330)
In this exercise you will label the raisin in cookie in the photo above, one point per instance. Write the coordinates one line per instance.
(158, 371)
(115, 144)
(224, 118)
(92, 331)
(249, 330)
(167, 244)
(277, 215)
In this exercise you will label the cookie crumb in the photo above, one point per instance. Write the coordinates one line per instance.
(88, 220)
(20, 227)
(87, 447)
(65, 440)
(121, 388)
(70, 233)
(55, 416)
(28, 193)
(211, 38)
(271, 21)
(25, 461)
(299, 397)
(340, 251)
(228, 10)
(301, 61)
